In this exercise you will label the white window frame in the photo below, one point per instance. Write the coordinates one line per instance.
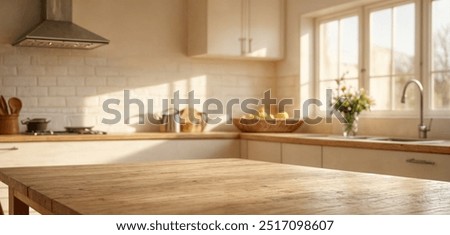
(422, 62)
(331, 17)
(417, 62)
(428, 60)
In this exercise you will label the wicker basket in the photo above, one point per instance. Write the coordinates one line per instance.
(267, 125)
(196, 125)
(191, 127)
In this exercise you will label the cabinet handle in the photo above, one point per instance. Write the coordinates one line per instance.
(424, 162)
(242, 40)
(9, 149)
(250, 45)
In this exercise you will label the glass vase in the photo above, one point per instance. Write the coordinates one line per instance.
(350, 127)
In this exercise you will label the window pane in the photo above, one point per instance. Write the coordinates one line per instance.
(440, 51)
(380, 42)
(441, 90)
(329, 50)
(349, 47)
(392, 55)
(412, 100)
(352, 84)
(441, 35)
(380, 92)
(323, 91)
(338, 53)
(404, 40)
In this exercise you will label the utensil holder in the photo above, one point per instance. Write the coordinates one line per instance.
(9, 124)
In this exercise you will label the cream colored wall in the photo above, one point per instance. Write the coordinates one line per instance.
(147, 56)
(295, 73)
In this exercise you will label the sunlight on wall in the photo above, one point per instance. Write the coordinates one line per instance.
(135, 106)
(306, 61)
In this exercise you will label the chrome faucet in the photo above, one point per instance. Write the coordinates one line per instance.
(423, 129)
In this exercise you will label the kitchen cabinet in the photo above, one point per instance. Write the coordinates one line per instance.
(244, 149)
(236, 28)
(303, 155)
(110, 152)
(399, 163)
(295, 154)
(409, 164)
(264, 151)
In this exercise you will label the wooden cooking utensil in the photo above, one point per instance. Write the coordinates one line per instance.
(3, 106)
(15, 105)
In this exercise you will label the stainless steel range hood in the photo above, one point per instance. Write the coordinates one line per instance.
(58, 31)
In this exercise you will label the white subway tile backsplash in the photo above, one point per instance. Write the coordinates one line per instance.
(95, 81)
(70, 60)
(95, 61)
(44, 60)
(8, 91)
(8, 70)
(47, 81)
(70, 81)
(31, 70)
(81, 70)
(63, 83)
(107, 71)
(82, 101)
(15, 59)
(61, 91)
(51, 102)
(139, 81)
(116, 81)
(134, 72)
(32, 91)
(86, 91)
(7, 49)
(109, 91)
(56, 70)
(20, 81)
(28, 102)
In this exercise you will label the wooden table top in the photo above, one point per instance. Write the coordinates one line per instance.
(223, 186)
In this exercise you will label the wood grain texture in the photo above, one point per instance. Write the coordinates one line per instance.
(222, 186)
(130, 136)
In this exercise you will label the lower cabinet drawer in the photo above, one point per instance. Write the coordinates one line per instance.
(303, 155)
(409, 164)
(264, 151)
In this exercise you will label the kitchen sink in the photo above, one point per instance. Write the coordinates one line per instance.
(407, 140)
(352, 137)
(399, 139)
(388, 139)
(372, 138)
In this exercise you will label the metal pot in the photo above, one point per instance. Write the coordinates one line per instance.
(35, 124)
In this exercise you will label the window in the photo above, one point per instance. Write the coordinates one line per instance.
(391, 55)
(338, 52)
(394, 50)
(440, 55)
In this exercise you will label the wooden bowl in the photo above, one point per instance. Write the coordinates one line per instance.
(267, 125)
